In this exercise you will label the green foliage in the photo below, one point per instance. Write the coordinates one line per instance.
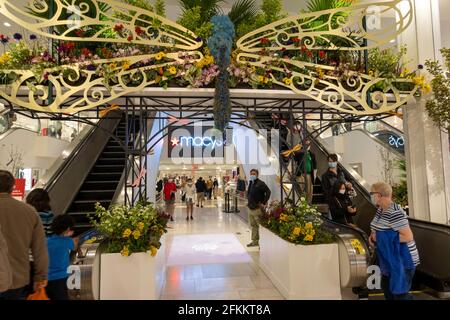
(192, 20)
(438, 107)
(300, 225)
(400, 191)
(242, 11)
(319, 5)
(130, 230)
(209, 8)
(160, 8)
(143, 4)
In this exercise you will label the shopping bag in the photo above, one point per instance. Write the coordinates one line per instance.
(38, 295)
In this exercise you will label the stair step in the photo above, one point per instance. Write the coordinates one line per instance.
(111, 161)
(87, 206)
(112, 154)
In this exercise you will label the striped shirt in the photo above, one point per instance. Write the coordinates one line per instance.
(394, 218)
(47, 219)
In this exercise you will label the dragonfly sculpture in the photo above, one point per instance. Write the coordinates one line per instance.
(76, 88)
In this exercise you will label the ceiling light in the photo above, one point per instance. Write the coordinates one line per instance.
(7, 24)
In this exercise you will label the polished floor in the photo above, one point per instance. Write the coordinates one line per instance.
(208, 258)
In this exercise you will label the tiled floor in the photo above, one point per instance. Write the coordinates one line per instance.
(242, 279)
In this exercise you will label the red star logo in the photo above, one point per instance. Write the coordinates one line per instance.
(175, 141)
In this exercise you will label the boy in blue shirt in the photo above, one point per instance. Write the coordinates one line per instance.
(60, 244)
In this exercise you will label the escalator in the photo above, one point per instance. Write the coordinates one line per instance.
(432, 239)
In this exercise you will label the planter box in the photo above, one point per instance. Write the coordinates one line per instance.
(137, 277)
(300, 272)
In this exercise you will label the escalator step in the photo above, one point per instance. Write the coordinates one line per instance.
(95, 195)
(87, 206)
(108, 168)
(112, 154)
(110, 161)
(99, 185)
(80, 217)
(104, 176)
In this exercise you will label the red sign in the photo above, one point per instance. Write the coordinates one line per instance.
(19, 189)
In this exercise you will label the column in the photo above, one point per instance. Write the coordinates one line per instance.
(427, 150)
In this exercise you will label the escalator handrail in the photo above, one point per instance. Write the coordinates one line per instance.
(379, 141)
(392, 128)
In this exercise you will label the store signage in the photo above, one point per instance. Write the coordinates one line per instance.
(396, 141)
(201, 142)
(19, 189)
(194, 142)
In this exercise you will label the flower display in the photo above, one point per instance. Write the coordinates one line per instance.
(300, 224)
(131, 229)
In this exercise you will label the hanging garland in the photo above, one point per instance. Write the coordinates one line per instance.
(220, 44)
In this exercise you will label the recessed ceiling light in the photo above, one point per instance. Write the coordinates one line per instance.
(393, 41)
(7, 24)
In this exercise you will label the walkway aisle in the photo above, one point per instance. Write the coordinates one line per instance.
(208, 258)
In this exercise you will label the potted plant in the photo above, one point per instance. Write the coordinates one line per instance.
(133, 258)
(299, 257)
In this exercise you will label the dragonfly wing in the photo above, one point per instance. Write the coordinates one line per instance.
(334, 29)
(355, 93)
(99, 21)
(76, 89)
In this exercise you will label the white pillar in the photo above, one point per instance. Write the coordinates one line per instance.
(427, 151)
(154, 160)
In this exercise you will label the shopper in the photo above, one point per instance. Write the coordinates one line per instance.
(190, 191)
(40, 200)
(169, 191)
(200, 186)
(215, 188)
(306, 169)
(60, 244)
(23, 231)
(241, 186)
(333, 175)
(395, 246)
(209, 188)
(341, 206)
(5, 268)
(258, 195)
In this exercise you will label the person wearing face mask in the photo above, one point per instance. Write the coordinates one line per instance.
(393, 239)
(190, 192)
(332, 176)
(170, 189)
(307, 169)
(341, 206)
(258, 194)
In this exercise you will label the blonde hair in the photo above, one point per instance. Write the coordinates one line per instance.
(383, 188)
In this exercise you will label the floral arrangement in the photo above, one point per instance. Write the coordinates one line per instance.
(131, 230)
(300, 224)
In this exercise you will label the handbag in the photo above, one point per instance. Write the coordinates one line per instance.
(350, 213)
(39, 294)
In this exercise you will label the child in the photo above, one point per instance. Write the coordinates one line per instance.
(60, 244)
(40, 200)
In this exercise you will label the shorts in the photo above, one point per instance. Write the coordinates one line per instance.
(169, 202)
(189, 201)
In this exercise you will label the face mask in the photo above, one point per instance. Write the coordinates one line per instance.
(332, 164)
(373, 200)
(342, 191)
(252, 178)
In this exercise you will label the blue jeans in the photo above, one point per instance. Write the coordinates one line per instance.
(14, 294)
(388, 295)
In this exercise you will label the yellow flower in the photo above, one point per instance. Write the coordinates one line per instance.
(126, 233)
(371, 73)
(113, 65)
(161, 232)
(283, 217)
(320, 73)
(419, 80)
(308, 238)
(296, 231)
(287, 81)
(261, 78)
(4, 58)
(153, 251)
(266, 80)
(126, 65)
(308, 225)
(173, 70)
(136, 234)
(140, 226)
(160, 55)
(125, 251)
(426, 88)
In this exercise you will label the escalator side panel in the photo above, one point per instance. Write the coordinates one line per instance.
(65, 188)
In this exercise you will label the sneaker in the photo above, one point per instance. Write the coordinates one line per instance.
(192, 218)
(171, 218)
(253, 244)
(201, 207)
(197, 206)
(187, 218)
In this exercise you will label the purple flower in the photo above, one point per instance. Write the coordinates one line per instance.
(17, 36)
(420, 66)
(33, 37)
(198, 39)
(91, 67)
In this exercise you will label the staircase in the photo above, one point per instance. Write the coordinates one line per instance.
(101, 182)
